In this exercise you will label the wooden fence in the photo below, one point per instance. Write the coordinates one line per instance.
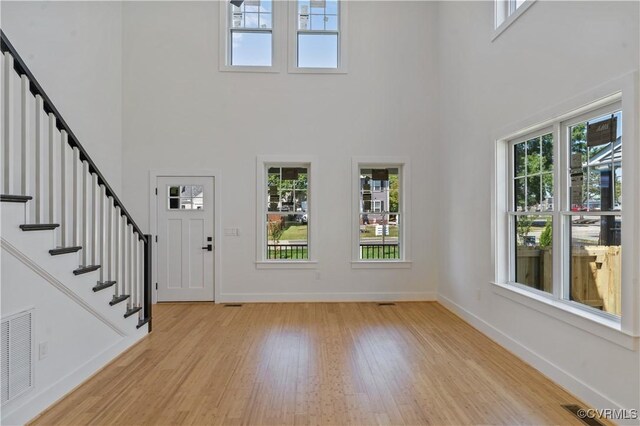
(595, 274)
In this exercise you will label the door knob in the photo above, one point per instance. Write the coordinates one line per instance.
(208, 247)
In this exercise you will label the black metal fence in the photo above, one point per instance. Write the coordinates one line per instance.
(287, 251)
(379, 251)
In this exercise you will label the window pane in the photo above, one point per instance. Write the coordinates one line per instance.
(251, 20)
(318, 50)
(519, 156)
(519, 190)
(331, 23)
(251, 48)
(533, 193)
(303, 7)
(533, 156)
(287, 236)
(533, 254)
(379, 236)
(596, 173)
(547, 191)
(266, 6)
(317, 22)
(547, 153)
(265, 20)
(596, 262)
(332, 7)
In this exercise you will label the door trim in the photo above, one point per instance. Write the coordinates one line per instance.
(154, 174)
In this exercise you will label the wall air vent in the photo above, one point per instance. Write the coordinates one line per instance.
(17, 355)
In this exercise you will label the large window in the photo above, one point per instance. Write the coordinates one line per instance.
(317, 37)
(285, 215)
(565, 209)
(249, 38)
(380, 213)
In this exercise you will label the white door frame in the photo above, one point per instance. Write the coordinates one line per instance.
(153, 222)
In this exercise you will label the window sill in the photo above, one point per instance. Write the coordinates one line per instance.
(511, 19)
(238, 68)
(381, 264)
(296, 70)
(598, 325)
(275, 264)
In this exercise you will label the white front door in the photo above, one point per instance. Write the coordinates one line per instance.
(185, 238)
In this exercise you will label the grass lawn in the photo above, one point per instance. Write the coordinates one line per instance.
(295, 232)
(370, 231)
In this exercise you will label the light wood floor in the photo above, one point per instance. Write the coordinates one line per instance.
(314, 363)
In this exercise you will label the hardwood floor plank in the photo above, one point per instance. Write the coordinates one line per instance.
(314, 364)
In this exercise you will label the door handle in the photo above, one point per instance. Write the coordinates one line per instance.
(208, 247)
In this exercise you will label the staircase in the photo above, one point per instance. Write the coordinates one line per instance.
(64, 227)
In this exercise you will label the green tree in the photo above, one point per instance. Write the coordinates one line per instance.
(394, 187)
(523, 227)
(276, 229)
(546, 238)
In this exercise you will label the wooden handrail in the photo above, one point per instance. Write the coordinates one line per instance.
(35, 88)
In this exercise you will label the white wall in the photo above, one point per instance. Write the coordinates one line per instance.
(554, 52)
(74, 49)
(180, 112)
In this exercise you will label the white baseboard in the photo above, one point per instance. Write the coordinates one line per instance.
(38, 401)
(569, 382)
(327, 297)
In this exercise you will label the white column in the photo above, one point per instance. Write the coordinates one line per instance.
(64, 144)
(86, 187)
(25, 154)
(7, 124)
(39, 164)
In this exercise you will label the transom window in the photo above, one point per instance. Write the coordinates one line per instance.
(582, 197)
(317, 36)
(250, 34)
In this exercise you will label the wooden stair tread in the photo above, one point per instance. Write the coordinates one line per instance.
(85, 269)
(64, 250)
(132, 311)
(103, 285)
(39, 226)
(7, 198)
(142, 322)
(118, 299)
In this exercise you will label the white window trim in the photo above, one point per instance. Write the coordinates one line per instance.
(625, 91)
(343, 41)
(279, 22)
(405, 210)
(261, 230)
(502, 19)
